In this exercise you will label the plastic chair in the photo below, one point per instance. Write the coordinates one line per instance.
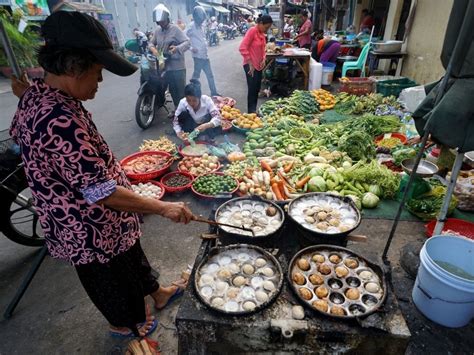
(359, 64)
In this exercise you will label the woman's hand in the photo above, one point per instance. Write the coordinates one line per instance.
(251, 70)
(183, 136)
(178, 212)
(203, 127)
(19, 86)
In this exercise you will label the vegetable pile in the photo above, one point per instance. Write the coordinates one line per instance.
(214, 184)
(248, 121)
(146, 164)
(162, 144)
(199, 165)
(177, 180)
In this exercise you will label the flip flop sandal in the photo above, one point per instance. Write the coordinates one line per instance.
(177, 294)
(131, 334)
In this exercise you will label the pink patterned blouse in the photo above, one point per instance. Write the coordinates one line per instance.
(70, 167)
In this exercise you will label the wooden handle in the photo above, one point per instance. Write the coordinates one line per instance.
(357, 238)
(203, 220)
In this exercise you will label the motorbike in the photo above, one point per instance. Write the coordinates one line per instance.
(243, 28)
(18, 216)
(213, 37)
(152, 93)
(230, 32)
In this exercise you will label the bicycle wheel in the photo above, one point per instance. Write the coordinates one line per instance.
(18, 223)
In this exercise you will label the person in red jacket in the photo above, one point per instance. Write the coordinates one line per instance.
(367, 21)
(252, 49)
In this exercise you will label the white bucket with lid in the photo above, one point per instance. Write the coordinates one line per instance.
(442, 294)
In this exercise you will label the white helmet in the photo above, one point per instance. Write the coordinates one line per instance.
(161, 13)
(213, 18)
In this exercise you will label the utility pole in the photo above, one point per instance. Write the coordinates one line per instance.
(313, 18)
(282, 14)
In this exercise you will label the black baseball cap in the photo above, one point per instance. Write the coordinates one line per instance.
(76, 30)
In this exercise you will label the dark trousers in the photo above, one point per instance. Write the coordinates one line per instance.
(205, 65)
(188, 125)
(175, 81)
(254, 84)
(118, 287)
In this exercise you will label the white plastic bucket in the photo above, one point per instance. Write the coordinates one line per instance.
(440, 295)
(328, 73)
(315, 75)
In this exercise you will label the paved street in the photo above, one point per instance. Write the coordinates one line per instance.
(56, 316)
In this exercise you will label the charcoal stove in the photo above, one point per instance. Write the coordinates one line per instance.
(204, 331)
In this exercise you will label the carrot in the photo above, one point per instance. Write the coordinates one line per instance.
(266, 166)
(281, 187)
(288, 167)
(277, 192)
(300, 184)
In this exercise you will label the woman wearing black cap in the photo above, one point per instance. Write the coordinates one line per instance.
(86, 208)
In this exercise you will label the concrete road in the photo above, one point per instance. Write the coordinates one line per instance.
(56, 316)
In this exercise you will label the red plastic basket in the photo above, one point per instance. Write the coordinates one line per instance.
(154, 183)
(211, 196)
(151, 174)
(460, 226)
(400, 136)
(180, 168)
(171, 189)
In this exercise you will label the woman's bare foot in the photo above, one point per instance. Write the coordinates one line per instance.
(163, 294)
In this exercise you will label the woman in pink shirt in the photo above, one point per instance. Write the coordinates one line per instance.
(252, 49)
(304, 36)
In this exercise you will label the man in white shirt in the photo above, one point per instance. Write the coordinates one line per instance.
(197, 37)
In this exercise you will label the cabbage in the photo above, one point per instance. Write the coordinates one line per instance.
(370, 200)
(356, 201)
(316, 172)
(317, 184)
(346, 165)
(376, 190)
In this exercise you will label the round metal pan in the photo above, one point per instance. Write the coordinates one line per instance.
(217, 250)
(320, 237)
(364, 264)
(239, 238)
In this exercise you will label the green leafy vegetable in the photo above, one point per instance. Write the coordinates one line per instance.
(428, 205)
(358, 145)
(374, 173)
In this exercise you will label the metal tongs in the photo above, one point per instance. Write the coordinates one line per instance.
(214, 223)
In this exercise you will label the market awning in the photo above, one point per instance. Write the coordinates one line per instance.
(221, 9)
(204, 5)
(243, 10)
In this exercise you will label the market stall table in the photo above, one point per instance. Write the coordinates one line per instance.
(202, 331)
(302, 59)
(374, 58)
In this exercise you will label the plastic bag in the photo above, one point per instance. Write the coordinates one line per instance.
(228, 146)
(218, 152)
(464, 191)
(412, 97)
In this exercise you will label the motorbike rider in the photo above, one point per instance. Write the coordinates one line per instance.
(195, 33)
(213, 27)
(169, 41)
(142, 39)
